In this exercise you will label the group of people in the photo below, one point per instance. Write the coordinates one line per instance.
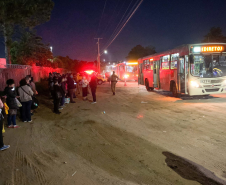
(16, 99)
(68, 85)
(61, 87)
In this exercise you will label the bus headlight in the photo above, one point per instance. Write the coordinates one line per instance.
(194, 84)
(224, 82)
(126, 76)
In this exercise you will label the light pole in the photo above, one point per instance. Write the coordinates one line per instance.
(98, 55)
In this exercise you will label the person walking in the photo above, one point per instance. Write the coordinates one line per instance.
(85, 84)
(93, 87)
(26, 94)
(2, 146)
(114, 80)
(57, 95)
(11, 95)
(71, 88)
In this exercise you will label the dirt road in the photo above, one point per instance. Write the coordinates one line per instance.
(146, 138)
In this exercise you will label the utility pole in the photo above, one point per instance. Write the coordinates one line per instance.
(98, 54)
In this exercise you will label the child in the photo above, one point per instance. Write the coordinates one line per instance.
(2, 146)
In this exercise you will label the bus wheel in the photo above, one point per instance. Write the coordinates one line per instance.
(99, 82)
(174, 90)
(147, 85)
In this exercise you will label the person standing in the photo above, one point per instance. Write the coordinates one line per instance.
(11, 95)
(2, 146)
(62, 83)
(57, 95)
(71, 88)
(93, 87)
(85, 84)
(114, 80)
(26, 94)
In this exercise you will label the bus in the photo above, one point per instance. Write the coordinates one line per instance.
(127, 71)
(192, 69)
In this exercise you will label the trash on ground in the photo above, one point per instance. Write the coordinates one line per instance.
(144, 102)
(164, 131)
(65, 162)
(74, 173)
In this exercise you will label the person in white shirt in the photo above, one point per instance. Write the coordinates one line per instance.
(85, 84)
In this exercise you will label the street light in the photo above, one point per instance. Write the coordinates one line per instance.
(105, 51)
(51, 48)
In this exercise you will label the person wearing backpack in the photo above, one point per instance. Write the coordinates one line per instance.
(26, 94)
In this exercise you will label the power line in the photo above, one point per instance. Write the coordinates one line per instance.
(101, 17)
(112, 16)
(124, 25)
(115, 31)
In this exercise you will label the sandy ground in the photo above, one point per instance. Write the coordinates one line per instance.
(161, 141)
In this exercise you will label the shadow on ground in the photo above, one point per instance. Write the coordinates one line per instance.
(192, 171)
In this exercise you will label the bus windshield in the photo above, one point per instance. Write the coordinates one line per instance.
(208, 66)
(131, 69)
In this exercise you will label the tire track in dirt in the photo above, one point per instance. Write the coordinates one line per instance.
(117, 152)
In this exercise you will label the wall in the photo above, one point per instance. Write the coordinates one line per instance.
(18, 73)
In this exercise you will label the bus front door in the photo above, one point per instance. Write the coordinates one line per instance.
(156, 82)
(181, 75)
(140, 75)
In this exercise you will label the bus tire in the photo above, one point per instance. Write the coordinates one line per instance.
(99, 82)
(174, 90)
(147, 85)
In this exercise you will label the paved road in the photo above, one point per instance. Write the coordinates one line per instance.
(142, 138)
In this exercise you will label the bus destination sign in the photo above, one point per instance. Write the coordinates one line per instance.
(212, 48)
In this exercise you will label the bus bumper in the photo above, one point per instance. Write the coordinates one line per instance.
(205, 91)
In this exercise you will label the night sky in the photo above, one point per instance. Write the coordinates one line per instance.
(163, 24)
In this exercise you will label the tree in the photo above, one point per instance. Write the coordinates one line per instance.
(149, 50)
(30, 50)
(139, 51)
(25, 13)
(215, 35)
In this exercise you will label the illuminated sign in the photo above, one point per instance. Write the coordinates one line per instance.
(131, 63)
(151, 59)
(212, 49)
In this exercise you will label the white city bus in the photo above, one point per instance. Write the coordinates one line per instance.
(193, 69)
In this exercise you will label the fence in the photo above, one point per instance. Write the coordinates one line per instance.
(18, 72)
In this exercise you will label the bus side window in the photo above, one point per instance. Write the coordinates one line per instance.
(165, 62)
(151, 66)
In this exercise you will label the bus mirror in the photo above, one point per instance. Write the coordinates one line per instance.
(191, 58)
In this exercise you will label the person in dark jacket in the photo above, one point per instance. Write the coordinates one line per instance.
(62, 82)
(71, 87)
(57, 95)
(93, 87)
(11, 102)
